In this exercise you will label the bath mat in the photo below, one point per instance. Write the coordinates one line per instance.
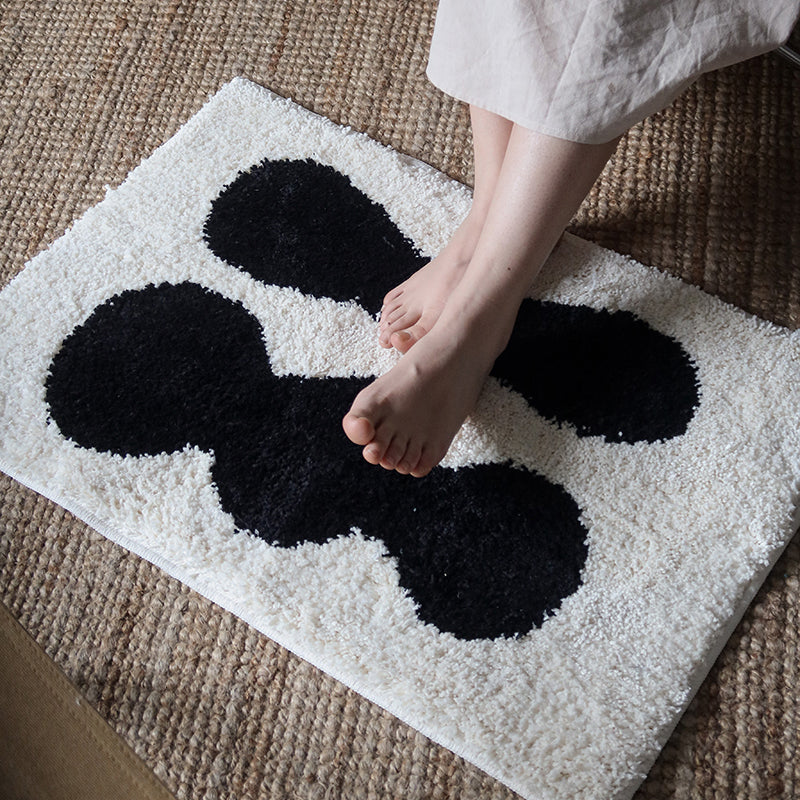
(547, 600)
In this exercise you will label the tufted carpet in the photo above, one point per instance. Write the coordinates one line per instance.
(706, 190)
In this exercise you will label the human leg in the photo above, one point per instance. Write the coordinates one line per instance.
(407, 418)
(410, 309)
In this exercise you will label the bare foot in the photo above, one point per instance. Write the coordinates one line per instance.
(407, 418)
(411, 309)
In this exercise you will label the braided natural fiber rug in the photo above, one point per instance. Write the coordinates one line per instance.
(547, 601)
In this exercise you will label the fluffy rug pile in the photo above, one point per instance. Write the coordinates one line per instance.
(175, 369)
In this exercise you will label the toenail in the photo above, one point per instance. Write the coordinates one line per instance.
(372, 452)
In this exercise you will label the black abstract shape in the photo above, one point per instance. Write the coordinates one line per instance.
(607, 373)
(486, 551)
(304, 225)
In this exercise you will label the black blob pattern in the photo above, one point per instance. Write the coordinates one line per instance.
(607, 373)
(303, 224)
(485, 551)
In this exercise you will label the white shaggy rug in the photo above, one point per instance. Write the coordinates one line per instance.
(175, 367)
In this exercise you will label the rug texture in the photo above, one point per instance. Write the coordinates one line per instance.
(546, 603)
(709, 190)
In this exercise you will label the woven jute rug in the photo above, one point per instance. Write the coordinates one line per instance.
(706, 190)
(547, 600)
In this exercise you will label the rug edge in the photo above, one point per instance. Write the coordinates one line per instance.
(725, 632)
(236, 85)
(174, 571)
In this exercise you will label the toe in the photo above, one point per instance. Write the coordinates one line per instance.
(385, 337)
(402, 318)
(427, 461)
(398, 324)
(420, 472)
(359, 430)
(405, 337)
(390, 318)
(373, 452)
(401, 341)
(404, 340)
(390, 309)
(392, 298)
(409, 461)
(394, 452)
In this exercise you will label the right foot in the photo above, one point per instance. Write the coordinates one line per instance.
(411, 309)
(406, 419)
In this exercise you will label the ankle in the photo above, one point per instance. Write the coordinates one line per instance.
(484, 328)
(466, 237)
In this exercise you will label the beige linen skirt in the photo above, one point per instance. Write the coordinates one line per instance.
(586, 70)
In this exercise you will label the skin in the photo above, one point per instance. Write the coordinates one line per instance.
(411, 309)
(454, 317)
